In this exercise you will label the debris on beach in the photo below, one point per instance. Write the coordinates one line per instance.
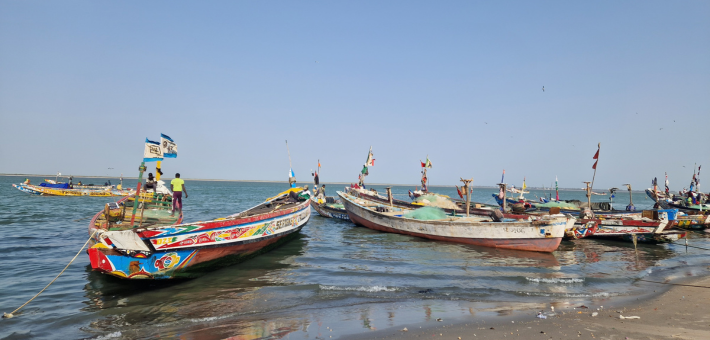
(595, 314)
(404, 329)
(629, 317)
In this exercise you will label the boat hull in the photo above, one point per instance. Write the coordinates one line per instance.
(529, 236)
(44, 191)
(190, 250)
(581, 230)
(329, 212)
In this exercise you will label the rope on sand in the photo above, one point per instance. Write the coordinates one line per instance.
(673, 284)
(10, 315)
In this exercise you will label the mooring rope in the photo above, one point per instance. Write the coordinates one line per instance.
(673, 284)
(687, 245)
(9, 315)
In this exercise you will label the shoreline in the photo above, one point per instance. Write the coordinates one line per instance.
(678, 311)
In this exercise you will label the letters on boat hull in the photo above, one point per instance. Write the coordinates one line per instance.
(189, 250)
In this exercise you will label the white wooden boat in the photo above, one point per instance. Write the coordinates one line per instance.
(543, 235)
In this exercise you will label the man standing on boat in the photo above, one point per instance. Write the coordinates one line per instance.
(177, 185)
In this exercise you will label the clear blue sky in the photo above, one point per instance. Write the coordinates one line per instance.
(83, 83)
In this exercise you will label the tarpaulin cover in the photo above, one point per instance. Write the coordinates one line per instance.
(56, 186)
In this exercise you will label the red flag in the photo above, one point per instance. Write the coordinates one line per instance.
(595, 165)
(596, 155)
(423, 165)
(459, 191)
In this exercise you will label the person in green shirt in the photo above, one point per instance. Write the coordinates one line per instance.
(177, 185)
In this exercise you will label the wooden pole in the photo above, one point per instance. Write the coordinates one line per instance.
(589, 195)
(466, 182)
(389, 195)
(157, 171)
(141, 170)
(107, 214)
(140, 223)
(599, 147)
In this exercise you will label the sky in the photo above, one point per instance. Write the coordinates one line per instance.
(83, 83)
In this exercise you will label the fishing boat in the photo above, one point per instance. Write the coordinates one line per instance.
(651, 228)
(543, 235)
(63, 189)
(326, 206)
(330, 208)
(161, 247)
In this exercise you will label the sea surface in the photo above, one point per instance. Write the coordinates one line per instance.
(335, 279)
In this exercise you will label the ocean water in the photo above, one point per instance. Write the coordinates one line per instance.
(335, 279)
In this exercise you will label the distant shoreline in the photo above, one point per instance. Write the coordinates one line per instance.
(267, 181)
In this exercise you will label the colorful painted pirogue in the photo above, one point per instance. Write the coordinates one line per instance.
(158, 247)
(66, 191)
(543, 235)
(329, 208)
(646, 229)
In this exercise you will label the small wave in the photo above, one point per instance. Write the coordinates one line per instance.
(571, 295)
(371, 289)
(116, 334)
(555, 280)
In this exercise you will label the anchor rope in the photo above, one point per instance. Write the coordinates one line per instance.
(7, 316)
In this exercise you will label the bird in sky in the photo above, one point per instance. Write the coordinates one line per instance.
(661, 129)
(543, 89)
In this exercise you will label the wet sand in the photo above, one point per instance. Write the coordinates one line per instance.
(681, 312)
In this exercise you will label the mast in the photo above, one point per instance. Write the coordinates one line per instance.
(291, 175)
(596, 156)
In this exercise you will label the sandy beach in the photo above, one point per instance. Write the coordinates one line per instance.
(681, 312)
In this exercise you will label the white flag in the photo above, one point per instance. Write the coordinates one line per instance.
(168, 146)
(152, 151)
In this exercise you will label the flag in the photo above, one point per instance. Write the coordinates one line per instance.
(667, 189)
(319, 163)
(370, 160)
(524, 186)
(459, 191)
(152, 152)
(697, 178)
(291, 174)
(426, 164)
(596, 156)
(168, 146)
(502, 178)
(365, 171)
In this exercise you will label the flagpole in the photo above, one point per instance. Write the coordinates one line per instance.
(599, 147)
(289, 156)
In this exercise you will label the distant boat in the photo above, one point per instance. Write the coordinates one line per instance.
(542, 235)
(64, 189)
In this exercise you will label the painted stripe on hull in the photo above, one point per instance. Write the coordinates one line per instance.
(541, 244)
